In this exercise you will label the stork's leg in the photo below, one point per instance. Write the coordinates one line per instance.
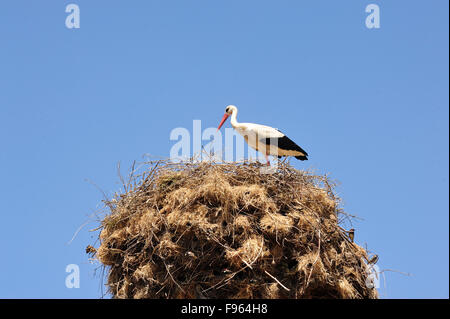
(267, 159)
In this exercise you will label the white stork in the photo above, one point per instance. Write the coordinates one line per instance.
(265, 139)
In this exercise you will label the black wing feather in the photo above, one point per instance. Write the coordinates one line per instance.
(286, 143)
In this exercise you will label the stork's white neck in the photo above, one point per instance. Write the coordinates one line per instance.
(234, 123)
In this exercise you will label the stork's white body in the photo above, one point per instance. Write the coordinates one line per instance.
(255, 134)
(265, 139)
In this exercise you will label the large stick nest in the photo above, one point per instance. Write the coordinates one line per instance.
(208, 230)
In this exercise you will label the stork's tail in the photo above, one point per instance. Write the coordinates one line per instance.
(302, 158)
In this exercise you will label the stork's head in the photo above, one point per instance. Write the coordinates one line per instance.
(228, 111)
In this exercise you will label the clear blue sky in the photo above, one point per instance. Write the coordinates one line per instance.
(370, 106)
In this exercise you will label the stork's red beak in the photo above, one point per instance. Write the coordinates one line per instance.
(224, 118)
